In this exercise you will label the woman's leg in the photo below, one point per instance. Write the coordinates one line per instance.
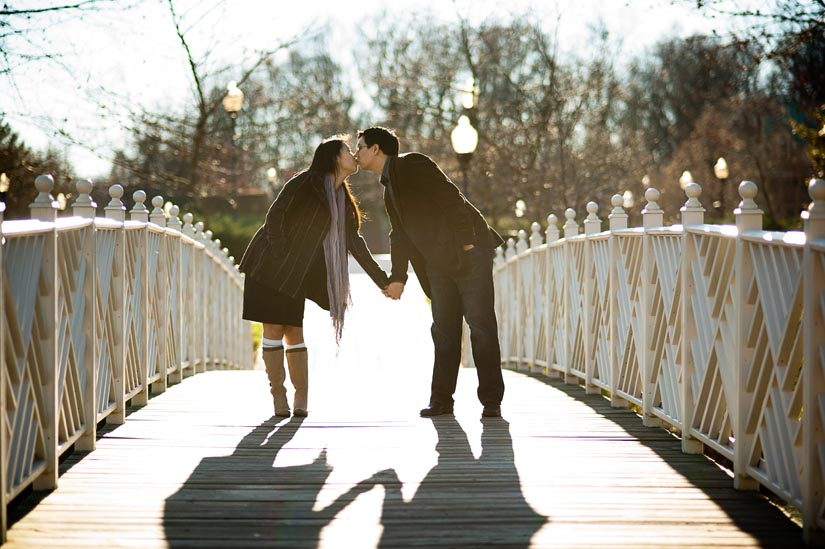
(273, 354)
(296, 358)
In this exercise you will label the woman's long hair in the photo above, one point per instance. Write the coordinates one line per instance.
(325, 160)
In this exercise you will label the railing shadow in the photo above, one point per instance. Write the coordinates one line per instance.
(751, 512)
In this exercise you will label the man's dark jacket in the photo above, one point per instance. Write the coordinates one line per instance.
(431, 220)
(287, 253)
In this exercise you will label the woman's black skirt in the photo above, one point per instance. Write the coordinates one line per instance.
(263, 304)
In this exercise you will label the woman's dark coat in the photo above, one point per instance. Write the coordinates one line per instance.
(287, 252)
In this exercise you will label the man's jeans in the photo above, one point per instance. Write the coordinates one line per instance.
(468, 293)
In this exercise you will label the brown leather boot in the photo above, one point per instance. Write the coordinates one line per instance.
(274, 362)
(299, 375)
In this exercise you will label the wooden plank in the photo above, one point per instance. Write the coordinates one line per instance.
(205, 465)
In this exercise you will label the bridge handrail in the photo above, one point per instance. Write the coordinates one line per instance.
(715, 332)
(98, 312)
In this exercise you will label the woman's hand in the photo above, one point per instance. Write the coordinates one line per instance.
(394, 290)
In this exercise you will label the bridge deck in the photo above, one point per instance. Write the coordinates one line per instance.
(205, 465)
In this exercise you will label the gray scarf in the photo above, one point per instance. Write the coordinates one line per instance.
(335, 255)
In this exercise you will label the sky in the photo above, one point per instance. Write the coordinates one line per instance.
(118, 61)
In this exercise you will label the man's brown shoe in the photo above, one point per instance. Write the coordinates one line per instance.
(437, 410)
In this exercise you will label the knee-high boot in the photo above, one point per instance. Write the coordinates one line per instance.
(274, 362)
(298, 373)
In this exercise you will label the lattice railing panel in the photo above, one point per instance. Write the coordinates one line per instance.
(773, 388)
(555, 316)
(187, 328)
(530, 313)
(540, 297)
(135, 302)
(665, 373)
(28, 299)
(599, 313)
(629, 316)
(710, 334)
(109, 311)
(511, 337)
(576, 300)
(73, 342)
(156, 308)
(170, 325)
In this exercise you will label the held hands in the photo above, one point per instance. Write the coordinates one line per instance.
(394, 290)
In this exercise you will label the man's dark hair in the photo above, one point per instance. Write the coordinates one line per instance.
(385, 138)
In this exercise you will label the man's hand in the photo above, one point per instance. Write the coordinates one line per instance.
(468, 247)
(394, 290)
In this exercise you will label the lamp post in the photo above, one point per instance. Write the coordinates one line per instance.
(464, 138)
(232, 103)
(720, 170)
(272, 177)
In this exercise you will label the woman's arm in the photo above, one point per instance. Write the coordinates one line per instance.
(357, 246)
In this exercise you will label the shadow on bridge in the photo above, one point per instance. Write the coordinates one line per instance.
(754, 513)
(243, 499)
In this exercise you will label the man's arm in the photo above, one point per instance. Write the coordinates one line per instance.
(446, 196)
(400, 251)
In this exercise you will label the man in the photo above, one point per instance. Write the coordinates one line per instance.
(451, 248)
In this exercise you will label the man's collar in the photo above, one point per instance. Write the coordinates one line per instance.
(385, 173)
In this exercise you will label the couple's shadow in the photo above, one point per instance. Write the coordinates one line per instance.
(243, 499)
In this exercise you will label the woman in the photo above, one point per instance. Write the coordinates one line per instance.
(301, 252)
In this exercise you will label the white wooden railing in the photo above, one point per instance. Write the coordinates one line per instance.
(716, 332)
(98, 312)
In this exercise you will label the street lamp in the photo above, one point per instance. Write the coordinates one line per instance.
(4, 186)
(685, 179)
(720, 170)
(521, 208)
(233, 102)
(464, 138)
(272, 177)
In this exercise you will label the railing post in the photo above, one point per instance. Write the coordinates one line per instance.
(116, 211)
(748, 218)
(189, 318)
(592, 226)
(652, 217)
(160, 297)
(571, 229)
(141, 214)
(522, 293)
(551, 235)
(202, 277)
(4, 436)
(618, 221)
(86, 208)
(210, 306)
(44, 208)
(177, 306)
(692, 214)
(813, 371)
(535, 293)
